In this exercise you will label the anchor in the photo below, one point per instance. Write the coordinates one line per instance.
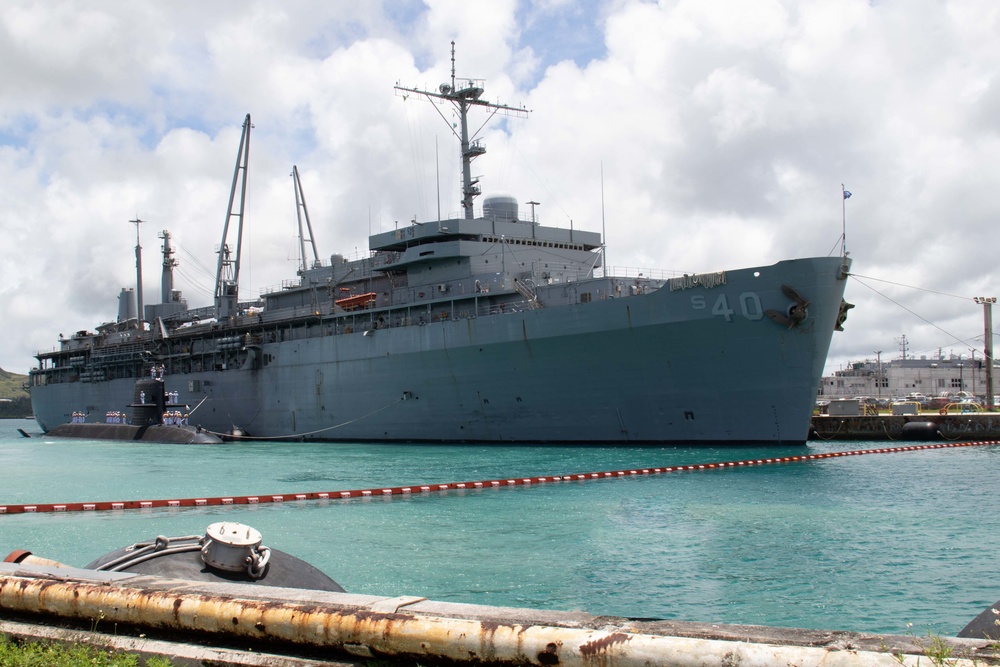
(797, 312)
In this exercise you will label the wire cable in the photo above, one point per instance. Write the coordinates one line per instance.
(920, 317)
(305, 433)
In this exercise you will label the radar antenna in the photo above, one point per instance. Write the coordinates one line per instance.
(464, 98)
(302, 211)
(227, 276)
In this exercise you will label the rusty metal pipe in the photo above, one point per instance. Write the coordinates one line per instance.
(365, 632)
(27, 558)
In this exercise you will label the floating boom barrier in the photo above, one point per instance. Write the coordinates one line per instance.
(222, 501)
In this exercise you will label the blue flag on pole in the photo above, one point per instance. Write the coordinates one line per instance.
(847, 194)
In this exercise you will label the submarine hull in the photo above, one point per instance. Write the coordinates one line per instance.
(185, 435)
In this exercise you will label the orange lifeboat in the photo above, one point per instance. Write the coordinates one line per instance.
(356, 301)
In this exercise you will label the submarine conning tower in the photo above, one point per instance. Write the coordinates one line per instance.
(148, 403)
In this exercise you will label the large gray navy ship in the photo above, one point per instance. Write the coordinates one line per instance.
(484, 328)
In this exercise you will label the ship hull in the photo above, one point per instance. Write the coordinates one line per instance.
(694, 366)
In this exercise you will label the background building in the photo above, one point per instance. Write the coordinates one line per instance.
(899, 377)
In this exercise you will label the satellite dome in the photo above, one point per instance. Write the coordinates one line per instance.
(500, 206)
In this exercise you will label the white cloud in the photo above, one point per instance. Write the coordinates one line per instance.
(724, 131)
(736, 103)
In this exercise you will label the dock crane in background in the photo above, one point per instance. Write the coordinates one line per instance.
(987, 303)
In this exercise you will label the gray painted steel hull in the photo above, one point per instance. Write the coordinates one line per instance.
(663, 367)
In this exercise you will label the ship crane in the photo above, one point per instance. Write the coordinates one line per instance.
(463, 99)
(227, 276)
(303, 212)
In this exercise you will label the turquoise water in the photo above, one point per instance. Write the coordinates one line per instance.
(864, 543)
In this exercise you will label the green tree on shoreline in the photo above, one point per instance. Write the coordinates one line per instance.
(14, 401)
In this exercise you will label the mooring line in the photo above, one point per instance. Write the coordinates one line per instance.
(298, 436)
(224, 501)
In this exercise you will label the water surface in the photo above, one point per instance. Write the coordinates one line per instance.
(864, 543)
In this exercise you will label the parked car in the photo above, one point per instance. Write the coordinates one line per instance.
(939, 402)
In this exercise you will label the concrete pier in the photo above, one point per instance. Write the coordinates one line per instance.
(923, 426)
(240, 624)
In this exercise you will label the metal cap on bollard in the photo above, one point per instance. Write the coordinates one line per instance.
(230, 546)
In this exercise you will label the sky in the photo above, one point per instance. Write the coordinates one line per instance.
(718, 134)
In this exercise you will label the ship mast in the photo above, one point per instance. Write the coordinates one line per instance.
(167, 276)
(463, 99)
(227, 275)
(302, 211)
(138, 275)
